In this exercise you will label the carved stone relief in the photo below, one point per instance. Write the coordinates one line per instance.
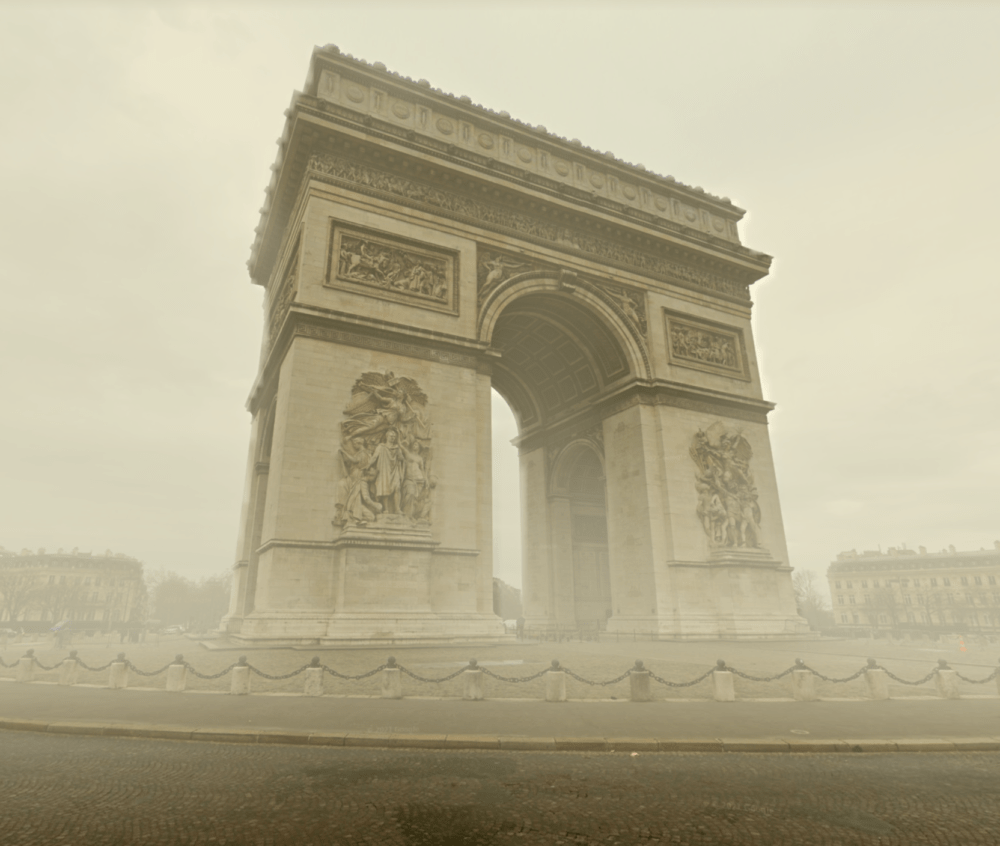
(727, 496)
(385, 452)
(283, 299)
(494, 268)
(389, 268)
(706, 346)
(495, 216)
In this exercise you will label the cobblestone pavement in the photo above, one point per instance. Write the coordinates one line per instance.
(97, 791)
(594, 661)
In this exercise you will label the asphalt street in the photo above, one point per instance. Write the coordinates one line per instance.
(94, 790)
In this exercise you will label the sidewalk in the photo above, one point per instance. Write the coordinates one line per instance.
(915, 724)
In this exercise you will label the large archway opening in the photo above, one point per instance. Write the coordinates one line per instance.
(558, 357)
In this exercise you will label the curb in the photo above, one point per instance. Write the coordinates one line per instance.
(503, 742)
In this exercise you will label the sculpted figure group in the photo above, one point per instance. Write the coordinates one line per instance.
(703, 346)
(727, 497)
(371, 263)
(385, 453)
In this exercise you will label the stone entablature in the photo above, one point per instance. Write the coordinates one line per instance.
(704, 223)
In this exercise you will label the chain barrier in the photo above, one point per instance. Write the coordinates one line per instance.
(573, 675)
(896, 678)
(209, 676)
(370, 673)
(747, 676)
(413, 675)
(691, 683)
(516, 679)
(474, 665)
(133, 668)
(989, 678)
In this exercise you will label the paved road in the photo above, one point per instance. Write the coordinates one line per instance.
(94, 791)
(932, 718)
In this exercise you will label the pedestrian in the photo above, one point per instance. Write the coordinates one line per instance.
(520, 628)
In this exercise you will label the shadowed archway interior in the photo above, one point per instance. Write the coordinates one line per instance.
(554, 355)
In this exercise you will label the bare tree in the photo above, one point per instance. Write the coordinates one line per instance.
(810, 600)
(56, 600)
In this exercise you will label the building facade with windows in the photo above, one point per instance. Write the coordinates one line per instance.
(106, 590)
(903, 589)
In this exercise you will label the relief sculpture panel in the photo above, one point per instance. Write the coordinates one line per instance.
(385, 453)
(704, 345)
(385, 267)
(727, 496)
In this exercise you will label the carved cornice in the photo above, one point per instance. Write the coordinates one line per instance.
(540, 229)
(675, 396)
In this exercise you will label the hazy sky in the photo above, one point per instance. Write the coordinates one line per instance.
(862, 137)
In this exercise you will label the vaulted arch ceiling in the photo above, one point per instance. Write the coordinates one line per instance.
(554, 355)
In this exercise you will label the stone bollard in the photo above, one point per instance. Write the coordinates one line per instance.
(177, 675)
(876, 681)
(555, 684)
(314, 678)
(946, 681)
(118, 677)
(803, 683)
(26, 667)
(241, 678)
(638, 684)
(392, 682)
(473, 680)
(722, 680)
(69, 670)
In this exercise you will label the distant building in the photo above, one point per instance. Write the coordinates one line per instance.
(37, 587)
(902, 589)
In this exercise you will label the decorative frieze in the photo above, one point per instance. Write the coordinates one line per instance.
(391, 268)
(706, 345)
(727, 496)
(507, 220)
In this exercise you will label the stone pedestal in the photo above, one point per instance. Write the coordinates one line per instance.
(314, 681)
(176, 677)
(722, 681)
(946, 682)
(555, 686)
(877, 684)
(392, 686)
(26, 669)
(240, 685)
(804, 686)
(472, 681)
(118, 676)
(68, 672)
(639, 688)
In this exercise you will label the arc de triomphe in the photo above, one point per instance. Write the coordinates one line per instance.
(416, 251)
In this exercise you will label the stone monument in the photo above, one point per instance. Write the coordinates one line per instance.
(417, 250)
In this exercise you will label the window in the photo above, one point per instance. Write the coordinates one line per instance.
(993, 580)
(86, 581)
(908, 599)
(856, 620)
(851, 598)
(920, 599)
(867, 599)
(979, 580)
(864, 583)
(904, 582)
(837, 585)
(883, 619)
(843, 618)
(97, 582)
(52, 580)
(933, 582)
(970, 599)
(965, 581)
(947, 581)
(840, 600)
(916, 582)
(849, 585)
(875, 583)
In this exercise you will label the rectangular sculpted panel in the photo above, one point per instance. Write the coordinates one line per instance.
(392, 268)
(705, 345)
